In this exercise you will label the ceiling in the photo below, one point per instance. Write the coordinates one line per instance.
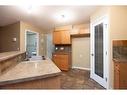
(46, 17)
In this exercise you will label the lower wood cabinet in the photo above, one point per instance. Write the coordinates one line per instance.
(120, 75)
(62, 61)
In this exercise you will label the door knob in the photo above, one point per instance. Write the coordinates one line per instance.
(92, 54)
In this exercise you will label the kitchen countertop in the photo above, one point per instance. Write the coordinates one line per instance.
(120, 60)
(7, 55)
(30, 70)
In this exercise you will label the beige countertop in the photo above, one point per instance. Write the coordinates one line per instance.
(7, 55)
(120, 60)
(30, 70)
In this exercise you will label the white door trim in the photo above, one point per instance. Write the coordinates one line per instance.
(106, 45)
(37, 40)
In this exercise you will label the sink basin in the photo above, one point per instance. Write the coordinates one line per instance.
(36, 58)
(33, 58)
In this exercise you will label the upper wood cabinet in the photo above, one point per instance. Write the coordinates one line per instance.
(80, 30)
(57, 37)
(65, 39)
(61, 37)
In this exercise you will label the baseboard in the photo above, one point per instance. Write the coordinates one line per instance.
(81, 68)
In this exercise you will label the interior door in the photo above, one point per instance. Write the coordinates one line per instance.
(99, 48)
(31, 43)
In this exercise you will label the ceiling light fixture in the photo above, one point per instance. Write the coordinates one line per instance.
(29, 8)
(64, 16)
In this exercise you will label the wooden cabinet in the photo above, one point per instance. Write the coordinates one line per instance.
(80, 30)
(61, 37)
(62, 61)
(65, 39)
(120, 75)
(57, 37)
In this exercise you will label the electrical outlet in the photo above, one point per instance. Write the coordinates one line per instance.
(17, 48)
(80, 55)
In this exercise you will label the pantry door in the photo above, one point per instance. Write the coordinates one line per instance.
(99, 51)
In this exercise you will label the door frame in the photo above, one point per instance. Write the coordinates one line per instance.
(106, 46)
(37, 48)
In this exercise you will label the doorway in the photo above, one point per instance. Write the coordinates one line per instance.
(31, 43)
(99, 51)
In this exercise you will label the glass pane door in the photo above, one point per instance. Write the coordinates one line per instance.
(98, 46)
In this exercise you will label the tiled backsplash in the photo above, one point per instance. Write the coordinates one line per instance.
(62, 48)
(120, 49)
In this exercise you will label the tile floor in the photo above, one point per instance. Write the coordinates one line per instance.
(78, 79)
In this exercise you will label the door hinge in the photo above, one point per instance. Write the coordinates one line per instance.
(106, 52)
(106, 79)
(106, 26)
(92, 54)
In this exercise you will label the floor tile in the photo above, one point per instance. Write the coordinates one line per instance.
(78, 79)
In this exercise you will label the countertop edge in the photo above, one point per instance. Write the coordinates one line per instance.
(10, 56)
(29, 79)
(119, 60)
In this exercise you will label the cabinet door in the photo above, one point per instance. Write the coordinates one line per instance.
(84, 31)
(123, 76)
(57, 60)
(64, 62)
(65, 39)
(116, 79)
(74, 31)
(57, 37)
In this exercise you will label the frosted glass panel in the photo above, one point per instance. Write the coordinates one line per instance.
(99, 50)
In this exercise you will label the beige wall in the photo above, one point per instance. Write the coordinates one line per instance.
(7, 33)
(118, 22)
(117, 30)
(81, 52)
(42, 45)
(81, 49)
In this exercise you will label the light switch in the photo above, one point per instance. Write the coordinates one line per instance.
(61, 48)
